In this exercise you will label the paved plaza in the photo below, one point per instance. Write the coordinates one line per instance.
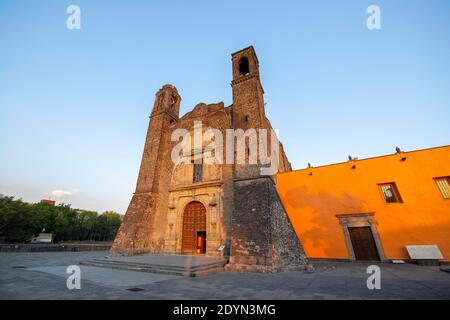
(43, 276)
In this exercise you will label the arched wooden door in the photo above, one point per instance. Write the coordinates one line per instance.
(194, 228)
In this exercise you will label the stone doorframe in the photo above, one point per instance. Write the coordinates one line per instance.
(360, 220)
(210, 195)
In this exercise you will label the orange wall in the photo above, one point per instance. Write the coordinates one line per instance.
(312, 202)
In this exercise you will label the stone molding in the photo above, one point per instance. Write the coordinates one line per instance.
(360, 220)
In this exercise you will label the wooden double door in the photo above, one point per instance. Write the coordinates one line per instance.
(364, 246)
(194, 228)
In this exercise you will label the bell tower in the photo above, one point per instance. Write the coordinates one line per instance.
(135, 233)
(248, 108)
(248, 99)
(167, 100)
(262, 236)
(165, 112)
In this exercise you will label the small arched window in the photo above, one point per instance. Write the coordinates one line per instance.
(244, 68)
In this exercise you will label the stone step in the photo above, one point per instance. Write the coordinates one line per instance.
(149, 269)
(202, 266)
(189, 271)
(167, 268)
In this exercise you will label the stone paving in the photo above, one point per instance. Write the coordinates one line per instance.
(42, 276)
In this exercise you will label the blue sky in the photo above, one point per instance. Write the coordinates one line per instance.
(74, 104)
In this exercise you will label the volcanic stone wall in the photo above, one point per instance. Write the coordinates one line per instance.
(262, 236)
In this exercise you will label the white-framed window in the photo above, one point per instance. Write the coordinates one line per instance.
(390, 192)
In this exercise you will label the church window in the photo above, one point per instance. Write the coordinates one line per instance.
(198, 172)
(197, 175)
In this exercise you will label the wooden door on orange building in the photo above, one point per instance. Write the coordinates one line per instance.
(363, 243)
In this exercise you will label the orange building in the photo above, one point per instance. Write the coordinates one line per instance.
(371, 209)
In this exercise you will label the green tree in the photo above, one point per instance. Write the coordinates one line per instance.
(44, 215)
(87, 223)
(113, 224)
(63, 223)
(17, 223)
(20, 221)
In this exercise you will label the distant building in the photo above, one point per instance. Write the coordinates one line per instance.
(52, 202)
(42, 238)
(371, 209)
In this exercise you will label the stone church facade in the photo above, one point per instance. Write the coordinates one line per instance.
(224, 210)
